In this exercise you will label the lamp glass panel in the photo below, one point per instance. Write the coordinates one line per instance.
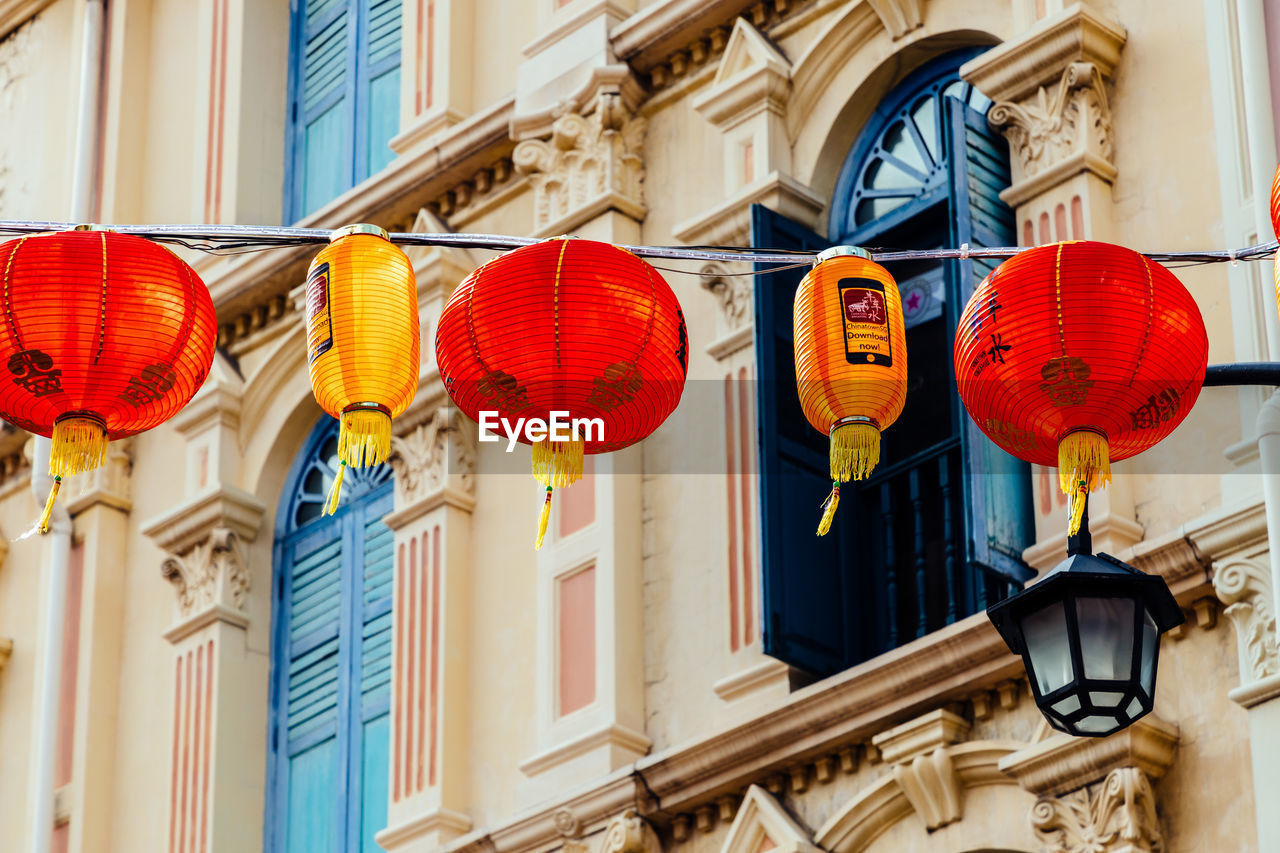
(1105, 699)
(1097, 725)
(1150, 645)
(1048, 647)
(1066, 706)
(1106, 636)
(1134, 709)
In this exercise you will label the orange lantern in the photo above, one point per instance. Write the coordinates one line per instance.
(1077, 354)
(104, 335)
(851, 360)
(572, 328)
(362, 342)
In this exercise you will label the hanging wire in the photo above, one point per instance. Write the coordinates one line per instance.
(237, 239)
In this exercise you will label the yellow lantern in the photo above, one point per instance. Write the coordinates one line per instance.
(362, 342)
(851, 360)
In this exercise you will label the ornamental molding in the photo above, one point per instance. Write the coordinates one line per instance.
(734, 291)
(211, 573)
(1052, 126)
(437, 455)
(1244, 586)
(591, 164)
(629, 833)
(899, 16)
(109, 484)
(729, 223)
(16, 13)
(1116, 816)
(752, 77)
(920, 753)
(759, 819)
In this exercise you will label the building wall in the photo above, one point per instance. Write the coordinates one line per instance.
(715, 746)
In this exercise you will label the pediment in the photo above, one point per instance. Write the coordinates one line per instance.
(749, 50)
(763, 826)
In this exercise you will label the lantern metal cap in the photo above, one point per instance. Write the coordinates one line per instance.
(1086, 570)
(358, 228)
(842, 252)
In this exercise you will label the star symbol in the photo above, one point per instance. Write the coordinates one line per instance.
(913, 301)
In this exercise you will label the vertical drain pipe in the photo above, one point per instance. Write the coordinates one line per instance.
(49, 678)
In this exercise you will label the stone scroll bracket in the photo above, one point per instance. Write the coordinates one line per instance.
(1244, 586)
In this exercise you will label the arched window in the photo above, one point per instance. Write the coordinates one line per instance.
(330, 657)
(936, 533)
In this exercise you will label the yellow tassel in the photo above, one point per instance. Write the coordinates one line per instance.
(1083, 466)
(542, 522)
(829, 509)
(79, 444)
(335, 491)
(364, 438)
(48, 505)
(855, 451)
(557, 464)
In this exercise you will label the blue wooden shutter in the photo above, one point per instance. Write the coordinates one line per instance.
(804, 597)
(998, 509)
(378, 116)
(375, 669)
(310, 723)
(323, 83)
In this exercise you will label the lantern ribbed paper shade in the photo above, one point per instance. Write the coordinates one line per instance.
(851, 362)
(103, 335)
(363, 341)
(1275, 227)
(571, 326)
(1079, 339)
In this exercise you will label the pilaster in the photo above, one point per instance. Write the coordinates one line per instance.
(435, 78)
(219, 718)
(1049, 86)
(434, 464)
(99, 502)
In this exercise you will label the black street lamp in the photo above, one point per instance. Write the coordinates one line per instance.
(1089, 634)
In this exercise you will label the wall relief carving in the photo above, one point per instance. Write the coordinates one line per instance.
(212, 572)
(1116, 816)
(1244, 586)
(432, 454)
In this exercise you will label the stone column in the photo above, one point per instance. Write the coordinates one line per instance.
(1050, 92)
(219, 708)
(99, 503)
(1243, 584)
(429, 792)
(1095, 794)
(587, 180)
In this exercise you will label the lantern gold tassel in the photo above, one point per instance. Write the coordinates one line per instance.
(48, 505)
(542, 520)
(557, 464)
(1083, 466)
(78, 444)
(364, 439)
(855, 451)
(829, 509)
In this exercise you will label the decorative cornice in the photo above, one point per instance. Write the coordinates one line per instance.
(729, 223)
(651, 36)
(740, 684)
(110, 484)
(760, 817)
(1119, 816)
(180, 529)
(1244, 585)
(1064, 763)
(436, 820)
(753, 77)
(590, 164)
(613, 735)
(15, 13)
(630, 833)
(218, 403)
(1014, 70)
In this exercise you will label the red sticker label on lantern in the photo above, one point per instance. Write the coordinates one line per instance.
(866, 322)
(319, 321)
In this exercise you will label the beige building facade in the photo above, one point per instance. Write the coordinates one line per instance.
(242, 675)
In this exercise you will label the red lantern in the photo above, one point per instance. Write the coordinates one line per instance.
(1077, 354)
(104, 336)
(1275, 227)
(571, 326)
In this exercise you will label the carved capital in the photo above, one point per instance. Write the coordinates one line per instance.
(1069, 119)
(1116, 816)
(589, 165)
(211, 573)
(1244, 586)
(735, 293)
(629, 833)
(438, 453)
(920, 752)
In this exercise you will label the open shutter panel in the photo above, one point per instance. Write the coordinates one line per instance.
(804, 595)
(380, 84)
(998, 506)
(375, 670)
(322, 113)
